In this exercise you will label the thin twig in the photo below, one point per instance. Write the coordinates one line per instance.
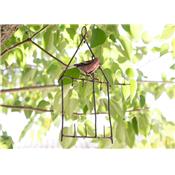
(38, 32)
(139, 109)
(28, 88)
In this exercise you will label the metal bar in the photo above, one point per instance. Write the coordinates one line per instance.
(87, 137)
(104, 131)
(72, 82)
(103, 74)
(74, 130)
(62, 100)
(95, 112)
(89, 47)
(85, 130)
(48, 53)
(109, 112)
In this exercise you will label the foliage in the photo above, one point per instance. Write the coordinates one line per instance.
(119, 48)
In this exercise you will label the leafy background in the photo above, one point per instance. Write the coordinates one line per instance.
(120, 49)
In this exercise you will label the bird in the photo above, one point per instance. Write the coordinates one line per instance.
(89, 67)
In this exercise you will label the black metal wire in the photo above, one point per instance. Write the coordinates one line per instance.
(95, 112)
(78, 136)
(104, 131)
(62, 101)
(109, 112)
(74, 130)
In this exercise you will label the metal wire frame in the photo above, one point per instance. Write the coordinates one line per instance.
(104, 136)
(83, 35)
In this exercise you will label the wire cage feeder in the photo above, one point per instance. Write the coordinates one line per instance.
(92, 81)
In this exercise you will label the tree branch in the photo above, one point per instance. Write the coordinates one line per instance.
(38, 32)
(28, 88)
(22, 42)
(139, 109)
(25, 108)
(7, 31)
(14, 46)
(51, 110)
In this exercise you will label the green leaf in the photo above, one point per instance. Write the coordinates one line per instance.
(130, 135)
(142, 101)
(43, 104)
(6, 142)
(173, 47)
(28, 75)
(57, 99)
(126, 91)
(54, 69)
(85, 109)
(144, 125)
(126, 27)
(133, 89)
(122, 59)
(48, 39)
(172, 67)
(26, 128)
(135, 125)
(116, 109)
(168, 31)
(19, 57)
(112, 37)
(72, 73)
(171, 92)
(70, 105)
(164, 49)
(156, 49)
(90, 128)
(158, 91)
(135, 30)
(68, 142)
(81, 129)
(72, 30)
(98, 37)
(130, 72)
(108, 74)
(28, 113)
(146, 38)
(127, 45)
(120, 132)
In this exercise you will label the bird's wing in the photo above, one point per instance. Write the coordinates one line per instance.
(83, 63)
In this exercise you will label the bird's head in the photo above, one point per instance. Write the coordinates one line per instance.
(96, 60)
